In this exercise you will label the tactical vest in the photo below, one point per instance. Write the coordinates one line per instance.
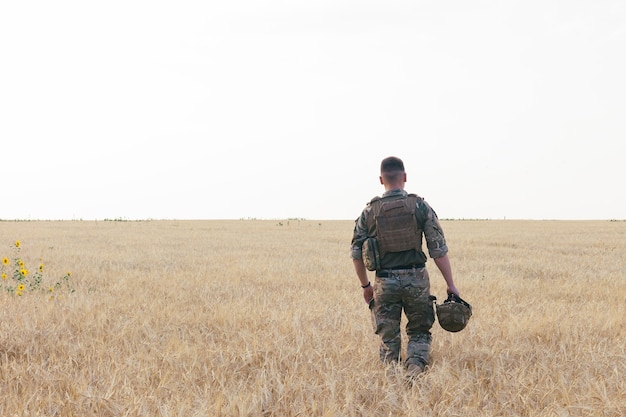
(393, 222)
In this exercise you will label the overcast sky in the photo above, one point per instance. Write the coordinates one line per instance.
(281, 109)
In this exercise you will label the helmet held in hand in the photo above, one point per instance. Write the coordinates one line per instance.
(454, 313)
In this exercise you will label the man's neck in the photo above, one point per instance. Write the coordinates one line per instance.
(390, 187)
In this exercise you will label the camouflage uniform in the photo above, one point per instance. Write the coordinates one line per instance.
(399, 286)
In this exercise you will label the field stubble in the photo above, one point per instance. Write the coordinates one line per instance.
(255, 318)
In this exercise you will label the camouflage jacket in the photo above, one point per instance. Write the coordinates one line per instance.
(426, 217)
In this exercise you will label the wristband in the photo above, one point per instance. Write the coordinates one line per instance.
(365, 286)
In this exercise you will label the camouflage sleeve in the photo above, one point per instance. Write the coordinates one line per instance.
(358, 236)
(433, 233)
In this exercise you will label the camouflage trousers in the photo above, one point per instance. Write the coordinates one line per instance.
(405, 290)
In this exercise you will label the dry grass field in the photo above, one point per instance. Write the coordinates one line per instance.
(255, 318)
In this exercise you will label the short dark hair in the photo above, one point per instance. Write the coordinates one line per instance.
(391, 167)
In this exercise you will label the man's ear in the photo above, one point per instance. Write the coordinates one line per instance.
(405, 177)
(381, 180)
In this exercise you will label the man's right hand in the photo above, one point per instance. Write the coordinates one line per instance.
(452, 290)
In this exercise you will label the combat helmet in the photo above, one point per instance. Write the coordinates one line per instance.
(454, 313)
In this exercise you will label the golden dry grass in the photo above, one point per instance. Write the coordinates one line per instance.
(250, 318)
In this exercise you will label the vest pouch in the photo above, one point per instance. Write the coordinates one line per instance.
(370, 254)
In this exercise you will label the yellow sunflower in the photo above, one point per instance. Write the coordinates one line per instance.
(5, 261)
(17, 244)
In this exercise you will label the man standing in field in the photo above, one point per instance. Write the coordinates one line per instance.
(388, 239)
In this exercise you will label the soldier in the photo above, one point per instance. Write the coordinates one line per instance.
(388, 239)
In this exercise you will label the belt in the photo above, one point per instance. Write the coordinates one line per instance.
(386, 273)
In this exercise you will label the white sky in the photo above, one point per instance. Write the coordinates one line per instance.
(276, 109)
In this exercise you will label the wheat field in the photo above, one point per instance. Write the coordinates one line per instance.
(265, 318)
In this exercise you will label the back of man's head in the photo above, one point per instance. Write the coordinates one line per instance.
(391, 168)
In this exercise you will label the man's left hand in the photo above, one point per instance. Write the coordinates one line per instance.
(368, 294)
